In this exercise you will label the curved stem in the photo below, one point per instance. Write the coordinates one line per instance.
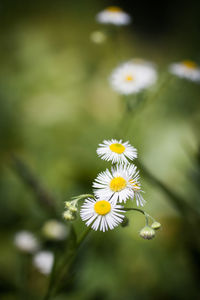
(147, 216)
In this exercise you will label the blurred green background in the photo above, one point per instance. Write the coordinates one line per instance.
(57, 106)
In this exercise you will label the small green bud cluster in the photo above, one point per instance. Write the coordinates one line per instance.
(70, 210)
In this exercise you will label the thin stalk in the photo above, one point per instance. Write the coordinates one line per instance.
(68, 261)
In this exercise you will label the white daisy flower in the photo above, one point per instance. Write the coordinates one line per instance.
(55, 230)
(43, 261)
(113, 15)
(133, 76)
(116, 151)
(101, 214)
(186, 69)
(26, 241)
(118, 185)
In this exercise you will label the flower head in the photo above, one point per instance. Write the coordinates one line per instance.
(26, 241)
(43, 261)
(186, 69)
(55, 230)
(113, 15)
(101, 214)
(117, 185)
(116, 151)
(133, 76)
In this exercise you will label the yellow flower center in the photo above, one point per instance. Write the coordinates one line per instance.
(129, 78)
(190, 64)
(117, 184)
(114, 9)
(117, 148)
(102, 207)
(134, 184)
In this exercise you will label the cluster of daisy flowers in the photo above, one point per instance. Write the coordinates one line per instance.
(112, 188)
(133, 76)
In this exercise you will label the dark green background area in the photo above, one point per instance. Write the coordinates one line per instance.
(57, 106)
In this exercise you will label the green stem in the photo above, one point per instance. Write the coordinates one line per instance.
(147, 216)
(63, 271)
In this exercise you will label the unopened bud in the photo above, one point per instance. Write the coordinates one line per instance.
(71, 205)
(67, 215)
(125, 222)
(155, 225)
(147, 233)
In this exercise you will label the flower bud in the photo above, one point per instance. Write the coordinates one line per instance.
(147, 233)
(69, 216)
(125, 222)
(71, 206)
(155, 225)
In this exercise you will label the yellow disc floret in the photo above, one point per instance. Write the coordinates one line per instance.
(190, 64)
(118, 184)
(129, 78)
(102, 207)
(117, 148)
(114, 9)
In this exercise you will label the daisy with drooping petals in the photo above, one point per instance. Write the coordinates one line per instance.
(113, 15)
(101, 214)
(116, 151)
(133, 76)
(116, 185)
(136, 186)
(186, 69)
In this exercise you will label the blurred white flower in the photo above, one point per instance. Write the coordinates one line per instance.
(116, 151)
(26, 241)
(43, 261)
(118, 185)
(113, 15)
(102, 214)
(98, 37)
(133, 76)
(186, 69)
(55, 230)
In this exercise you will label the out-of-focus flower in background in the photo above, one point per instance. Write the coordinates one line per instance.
(98, 37)
(113, 15)
(43, 261)
(102, 213)
(186, 69)
(25, 241)
(133, 76)
(55, 230)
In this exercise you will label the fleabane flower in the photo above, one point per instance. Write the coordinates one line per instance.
(118, 185)
(116, 151)
(55, 230)
(113, 15)
(133, 76)
(186, 69)
(26, 241)
(101, 214)
(43, 261)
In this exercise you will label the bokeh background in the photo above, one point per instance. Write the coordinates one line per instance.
(57, 106)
